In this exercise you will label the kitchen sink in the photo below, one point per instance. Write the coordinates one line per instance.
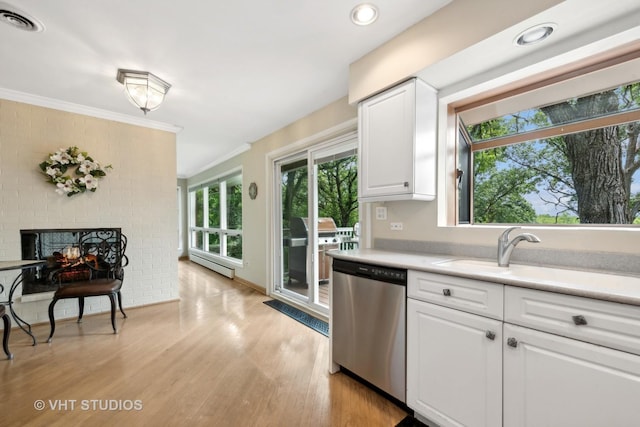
(473, 264)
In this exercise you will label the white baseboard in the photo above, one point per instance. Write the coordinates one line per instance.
(212, 265)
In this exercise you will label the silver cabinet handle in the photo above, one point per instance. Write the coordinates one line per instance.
(446, 292)
(512, 342)
(579, 320)
(491, 335)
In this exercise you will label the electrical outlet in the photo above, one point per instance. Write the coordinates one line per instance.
(396, 226)
(381, 213)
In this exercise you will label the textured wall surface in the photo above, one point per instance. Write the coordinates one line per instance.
(137, 195)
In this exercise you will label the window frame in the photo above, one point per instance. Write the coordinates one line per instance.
(220, 183)
(463, 171)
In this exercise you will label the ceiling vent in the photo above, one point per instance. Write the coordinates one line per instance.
(18, 19)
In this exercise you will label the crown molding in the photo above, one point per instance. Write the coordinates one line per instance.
(41, 101)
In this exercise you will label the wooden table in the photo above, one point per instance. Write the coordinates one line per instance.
(18, 265)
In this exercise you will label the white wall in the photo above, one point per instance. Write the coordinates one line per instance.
(137, 195)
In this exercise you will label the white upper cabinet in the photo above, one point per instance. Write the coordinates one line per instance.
(397, 144)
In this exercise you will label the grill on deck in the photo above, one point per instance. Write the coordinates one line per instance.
(300, 253)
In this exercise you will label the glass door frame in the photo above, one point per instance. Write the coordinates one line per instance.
(311, 153)
(279, 277)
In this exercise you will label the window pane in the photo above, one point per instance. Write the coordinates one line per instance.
(234, 247)
(209, 204)
(463, 177)
(197, 240)
(338, 189)
(581, 173)
(561, 180)
(214, 243)
(294, 194)
(199, 208)
(234, 203)
(214, 207)
(294, 190)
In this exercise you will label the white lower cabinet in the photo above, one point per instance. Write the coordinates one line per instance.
(552, 381)
(556, 361)
(454, 366)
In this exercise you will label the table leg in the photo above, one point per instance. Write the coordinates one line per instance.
(24, 325)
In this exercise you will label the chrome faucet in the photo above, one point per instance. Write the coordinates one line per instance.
(505, 247)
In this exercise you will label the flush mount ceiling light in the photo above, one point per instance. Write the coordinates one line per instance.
(364, 14)
(19, 19)
(534, 34)
(143, 89)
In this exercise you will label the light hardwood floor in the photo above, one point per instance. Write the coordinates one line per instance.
(218, 357)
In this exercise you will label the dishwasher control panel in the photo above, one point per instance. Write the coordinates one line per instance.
(397, 276)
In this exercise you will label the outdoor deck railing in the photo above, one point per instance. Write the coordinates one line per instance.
(346, 233)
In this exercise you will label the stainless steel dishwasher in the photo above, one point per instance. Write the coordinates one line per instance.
(369, 323)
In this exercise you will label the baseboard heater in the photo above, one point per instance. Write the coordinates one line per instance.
(213, 265)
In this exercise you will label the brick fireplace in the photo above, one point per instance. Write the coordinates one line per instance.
(60, 248)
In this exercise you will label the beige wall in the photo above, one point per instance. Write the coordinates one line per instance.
(420, 224)
(138, 195)
(256, 218)
(459, 25)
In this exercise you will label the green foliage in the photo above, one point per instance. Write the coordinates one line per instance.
(338, 191)
(199, 208)
(554, 169)
(294, 195)
(337, 183)
(563, 218)
(498, 193)
(214, 206)
(234, 206)
(234, 246)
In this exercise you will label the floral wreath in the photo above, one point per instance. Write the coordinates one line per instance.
(88, 170)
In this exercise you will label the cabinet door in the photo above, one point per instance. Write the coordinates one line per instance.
(454, 366)
(386, 126)
(552, 381)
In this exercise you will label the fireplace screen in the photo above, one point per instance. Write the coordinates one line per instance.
(59, 247)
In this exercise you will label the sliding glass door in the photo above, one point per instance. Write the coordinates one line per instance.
(295, 265)
(317, 208)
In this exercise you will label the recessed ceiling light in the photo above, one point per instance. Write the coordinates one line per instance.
(364, 14)
(534, 34)
(18, 19)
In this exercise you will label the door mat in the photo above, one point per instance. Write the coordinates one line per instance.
(299, 315)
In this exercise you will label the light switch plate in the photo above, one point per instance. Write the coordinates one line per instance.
(381, 213)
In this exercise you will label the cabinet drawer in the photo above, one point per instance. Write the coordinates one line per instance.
(600, 322)
(472, 296)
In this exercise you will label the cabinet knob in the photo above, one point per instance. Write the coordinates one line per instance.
(579, 320)
(491, 335)
(406, 184)
(446, 292)
(512, 342)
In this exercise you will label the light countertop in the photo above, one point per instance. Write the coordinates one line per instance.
(610, 287)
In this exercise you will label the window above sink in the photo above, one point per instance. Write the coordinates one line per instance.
(565, 150)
